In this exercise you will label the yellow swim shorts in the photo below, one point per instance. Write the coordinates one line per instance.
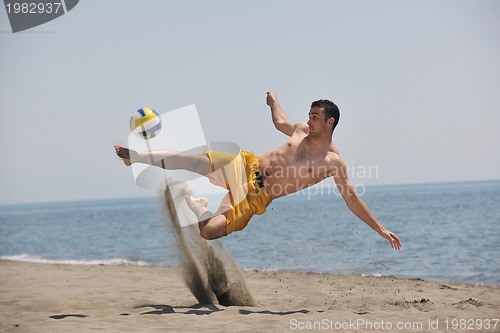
(237, 173)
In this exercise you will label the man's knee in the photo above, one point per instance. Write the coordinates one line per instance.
(210, 233)
(215, 228)
(207, 233)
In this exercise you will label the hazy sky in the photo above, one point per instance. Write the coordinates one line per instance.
(417, 83)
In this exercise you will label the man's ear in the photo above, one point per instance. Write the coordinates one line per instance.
(330, 121)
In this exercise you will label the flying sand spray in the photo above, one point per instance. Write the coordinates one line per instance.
(204, 271)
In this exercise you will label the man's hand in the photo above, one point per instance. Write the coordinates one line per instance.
(271, 98)
(391, 237)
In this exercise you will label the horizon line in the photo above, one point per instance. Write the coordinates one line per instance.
(153, 196)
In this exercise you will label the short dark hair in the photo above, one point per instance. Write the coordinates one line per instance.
(331, 110)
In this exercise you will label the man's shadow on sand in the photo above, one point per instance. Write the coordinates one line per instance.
(205, 309)
(199, 309)
(62, 316)
(277, 313)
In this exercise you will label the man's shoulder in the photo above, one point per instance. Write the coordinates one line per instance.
(335, 164)
(333, 158)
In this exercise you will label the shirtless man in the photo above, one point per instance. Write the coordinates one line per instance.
(307, 158)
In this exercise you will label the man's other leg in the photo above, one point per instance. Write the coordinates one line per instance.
(211, 226)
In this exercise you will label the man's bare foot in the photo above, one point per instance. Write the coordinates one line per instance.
(125, 154)
(198, 206)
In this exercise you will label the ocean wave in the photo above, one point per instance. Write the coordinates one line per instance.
(373, 275)
(41, 260)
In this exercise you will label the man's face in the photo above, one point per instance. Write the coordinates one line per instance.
(317, 123)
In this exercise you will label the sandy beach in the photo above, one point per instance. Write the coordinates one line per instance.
(79, 298)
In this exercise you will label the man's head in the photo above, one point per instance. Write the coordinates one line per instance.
(327, 112)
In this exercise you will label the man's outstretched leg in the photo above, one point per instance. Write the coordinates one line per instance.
(167, 159)
(211, 227)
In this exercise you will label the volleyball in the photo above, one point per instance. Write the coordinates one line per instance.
(145, 123)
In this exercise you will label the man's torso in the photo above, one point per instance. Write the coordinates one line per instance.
(295, 165)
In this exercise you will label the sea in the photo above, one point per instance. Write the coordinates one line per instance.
(450, 232)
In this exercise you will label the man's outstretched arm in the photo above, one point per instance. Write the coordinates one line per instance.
(280, 119)
(358, 206)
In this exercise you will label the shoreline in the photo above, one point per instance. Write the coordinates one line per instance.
(140, 263)
(56, 297)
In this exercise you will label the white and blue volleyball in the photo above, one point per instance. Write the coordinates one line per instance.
(145, 123)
